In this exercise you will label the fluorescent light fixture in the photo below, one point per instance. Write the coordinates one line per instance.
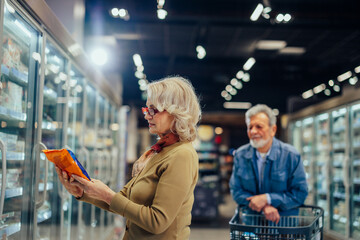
(344, 76)
(319, 88)
(327, 92)
(237, 105)
(162, 13)
(292, 50)
(307, 94)
(99, 56)
(257, 12)
(249, 63)
(233, 92)
(267, 9)
(270, 44)
(331, 83)
(357, 69)
(276, 111)
(137, 60)
(139, 75)
(22, 27)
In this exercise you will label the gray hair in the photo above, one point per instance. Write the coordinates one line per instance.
(260, 108)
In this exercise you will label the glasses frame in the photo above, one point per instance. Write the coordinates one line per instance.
(150, 111)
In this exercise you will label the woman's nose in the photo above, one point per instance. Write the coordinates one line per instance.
(147, 116)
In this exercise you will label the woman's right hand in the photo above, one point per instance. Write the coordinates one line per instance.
(66, 182)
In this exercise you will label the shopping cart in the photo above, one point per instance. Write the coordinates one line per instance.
(308, 225)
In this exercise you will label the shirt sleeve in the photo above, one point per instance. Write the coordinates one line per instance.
(176, 182)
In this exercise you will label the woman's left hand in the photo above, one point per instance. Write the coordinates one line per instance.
(94, 188)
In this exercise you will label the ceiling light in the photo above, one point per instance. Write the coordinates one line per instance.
(237, 105)
(139, 75)
(233, 91)
(246, 77)
(344, 76)
(249, 63)
(267, 9)
(279, 17)
(122, 13)
(270, 44)
(327, 92)
(307, 94)
(162, 13)
(115, 12)
(292, 50)
(276, 111)
(137, 60)
(319, 88)
(353, 80)
(239, 85)
(257, 12)
(99, 56)
(240, 74)
(228, 97)
(224, 93)
(161, 3)
(331, 83)
(234, 81)
(229, 88)
(336, 88)
(287, 17)
(357, 69)
(201, 52)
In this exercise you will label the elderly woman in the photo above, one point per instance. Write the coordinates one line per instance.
(157, 201)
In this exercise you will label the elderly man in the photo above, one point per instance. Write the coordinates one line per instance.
(268, 175)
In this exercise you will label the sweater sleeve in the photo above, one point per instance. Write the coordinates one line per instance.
(175, 183)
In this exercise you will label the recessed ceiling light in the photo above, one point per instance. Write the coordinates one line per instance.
(270, 44)
(292, 50)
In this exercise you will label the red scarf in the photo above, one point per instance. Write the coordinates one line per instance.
(164, 141)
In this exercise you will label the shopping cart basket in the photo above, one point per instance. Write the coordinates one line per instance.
(308, 225)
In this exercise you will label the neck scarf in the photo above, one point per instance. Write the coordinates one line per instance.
(164, 141)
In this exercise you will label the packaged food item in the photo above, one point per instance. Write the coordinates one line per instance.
(66, 160)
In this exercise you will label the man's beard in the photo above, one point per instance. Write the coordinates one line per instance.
(259, 143)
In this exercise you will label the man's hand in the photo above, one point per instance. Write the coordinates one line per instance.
(257, 202)
(271, 213)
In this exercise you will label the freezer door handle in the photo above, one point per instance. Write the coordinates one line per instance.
(41, 146)
(3, 177)
(346, 172)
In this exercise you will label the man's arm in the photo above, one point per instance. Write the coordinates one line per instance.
(297, 188)
(238, 193)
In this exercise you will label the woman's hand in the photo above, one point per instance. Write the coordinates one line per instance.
(94, 189)
(67, 182)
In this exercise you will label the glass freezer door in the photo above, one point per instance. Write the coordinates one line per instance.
(90, 132)
(355, 160)
(339, 141)
(322, 163)
(75, 142)
(52, 93)
(19, 56)
(307, 152)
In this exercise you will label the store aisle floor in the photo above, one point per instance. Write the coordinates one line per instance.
(217, 229)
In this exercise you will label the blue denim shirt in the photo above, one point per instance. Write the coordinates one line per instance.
(284, 177)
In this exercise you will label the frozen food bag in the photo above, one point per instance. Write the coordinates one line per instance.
(66, 160)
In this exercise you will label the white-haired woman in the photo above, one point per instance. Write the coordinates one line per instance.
(157, 201)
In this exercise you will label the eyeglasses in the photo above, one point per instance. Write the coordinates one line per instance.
(150, 111)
